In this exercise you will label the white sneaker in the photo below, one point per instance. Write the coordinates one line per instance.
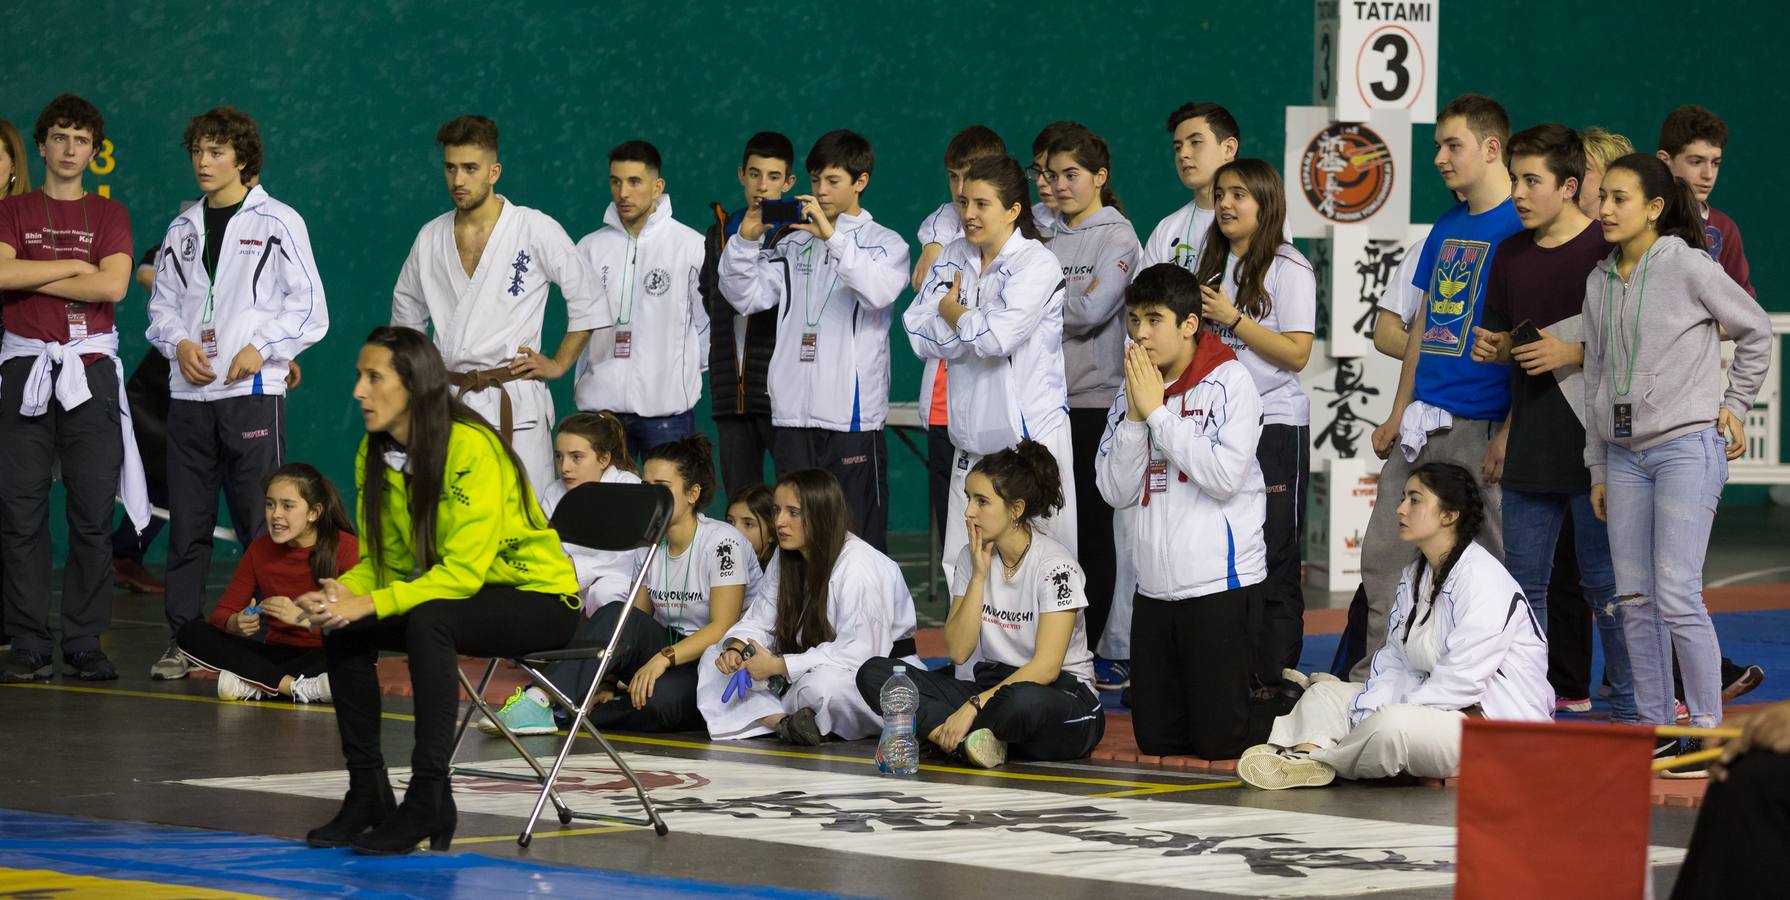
(1258, 750)
(231, 687)
(985, 750)
(173, 664)
(311, 689)
(1279, 771)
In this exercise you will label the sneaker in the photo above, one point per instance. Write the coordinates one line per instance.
(1664, 747)
(800, 728)
(1744, 683)
(23, 665)
(312, 689)
(984, 750)
(1111, 674)
(521, 713)
(172, 666)
(232, 687)
(90, 665)
(1693, 770)
(1563, 704)
(132, 576)
(1259, 750)
(1286, 769)
(1681, 713)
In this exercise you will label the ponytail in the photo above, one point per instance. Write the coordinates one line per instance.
(1010, 187)
(332, 520)
(1681, 216)
(1090, 151)
(1025, 473)
(694, 457)
(604, 433)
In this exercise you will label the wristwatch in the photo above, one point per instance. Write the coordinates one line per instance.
(670, 655)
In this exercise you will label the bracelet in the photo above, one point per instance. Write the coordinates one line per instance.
(670, 655)
(1237, 321)
(976, 701)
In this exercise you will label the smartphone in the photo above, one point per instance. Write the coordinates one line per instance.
(782, 212)
(1524, 333)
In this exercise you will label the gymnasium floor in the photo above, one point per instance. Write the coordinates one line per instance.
(146, 789)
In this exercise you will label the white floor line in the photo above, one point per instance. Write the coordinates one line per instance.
(1746, 576)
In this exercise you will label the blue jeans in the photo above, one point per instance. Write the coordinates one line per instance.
(646, 432)
(1661, 503)
(1531, 528)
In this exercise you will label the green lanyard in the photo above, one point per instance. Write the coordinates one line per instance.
(1611, 332)
(665, 579)
(629, 267)
(808, 286)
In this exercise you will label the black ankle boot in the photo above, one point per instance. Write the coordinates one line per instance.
(427, 812)
(369, 802)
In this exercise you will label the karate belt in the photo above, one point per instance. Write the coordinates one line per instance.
(480, 379)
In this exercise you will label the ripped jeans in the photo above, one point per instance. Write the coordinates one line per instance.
(1532, 523)
(1661, 503)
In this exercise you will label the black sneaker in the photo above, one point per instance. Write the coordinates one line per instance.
(799, 728)
(90, 665)
(23, 665)
(1693, 770)
(1664, 747)
(1739, 682)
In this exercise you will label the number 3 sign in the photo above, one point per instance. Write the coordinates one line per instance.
(1384, 57)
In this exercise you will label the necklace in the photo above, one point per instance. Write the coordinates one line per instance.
(1012, 568)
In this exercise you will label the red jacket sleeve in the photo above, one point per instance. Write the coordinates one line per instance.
(241, 588)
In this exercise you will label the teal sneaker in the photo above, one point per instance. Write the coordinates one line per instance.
(523, 715)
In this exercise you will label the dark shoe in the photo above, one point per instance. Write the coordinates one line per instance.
(90, 665)
(1693, 770)
(23, 665)
(1742, 682)
(368, 804)
(132, 576)
(426, 813)
(800, 728)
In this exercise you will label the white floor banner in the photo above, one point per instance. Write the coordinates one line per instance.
(1222, 849)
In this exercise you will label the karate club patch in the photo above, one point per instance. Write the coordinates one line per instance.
(658, 281)
(1346, 173)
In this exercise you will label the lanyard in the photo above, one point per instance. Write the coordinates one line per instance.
(1611, 332)
(628, 270)
(809, 317)
(665, 579)
(211, 273)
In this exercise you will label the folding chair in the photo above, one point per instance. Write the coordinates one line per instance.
(613, 517)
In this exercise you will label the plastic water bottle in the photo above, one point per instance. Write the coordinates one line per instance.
(898, 753)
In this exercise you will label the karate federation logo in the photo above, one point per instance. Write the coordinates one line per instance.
(658, 281)
(1347, 173)
(189, 247)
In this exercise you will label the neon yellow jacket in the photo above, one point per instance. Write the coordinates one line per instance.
(482, 535)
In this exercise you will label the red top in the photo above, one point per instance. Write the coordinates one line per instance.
(38, 228)
(274, 570)
(1723, 238)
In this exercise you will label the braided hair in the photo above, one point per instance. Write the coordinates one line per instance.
(1457, 491)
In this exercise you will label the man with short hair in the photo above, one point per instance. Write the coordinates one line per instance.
(649, 266)
(1691, 142)
(236, 297)
(478, 276)
(740, 347)
(65, 263)
(1448, 406)
(833, 277)
(1204, 136)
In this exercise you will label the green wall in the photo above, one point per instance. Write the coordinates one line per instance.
(349, 94)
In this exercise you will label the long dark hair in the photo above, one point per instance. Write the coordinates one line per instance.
(1090, 151)
(433, 411)
(1681, 217)
(603, 431)
(1263, 183)
(1457, 491)
(1010, 185)
(803, 576)
(763, 505)
(332, 522)
(1025, 472)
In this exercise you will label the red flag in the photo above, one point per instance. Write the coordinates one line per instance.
(1550, 809)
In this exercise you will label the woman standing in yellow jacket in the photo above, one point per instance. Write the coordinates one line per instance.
(458, 560)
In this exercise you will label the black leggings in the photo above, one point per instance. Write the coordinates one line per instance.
(261, 664)
(498, 621)
(1742, 830)
(672, 707)
(1061, 720)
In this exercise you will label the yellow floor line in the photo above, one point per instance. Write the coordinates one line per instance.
(573, 832)
(1133, 787)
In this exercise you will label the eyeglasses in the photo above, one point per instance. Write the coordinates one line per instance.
(1036, 172)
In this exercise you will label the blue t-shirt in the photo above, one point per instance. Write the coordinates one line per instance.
(1452, 272)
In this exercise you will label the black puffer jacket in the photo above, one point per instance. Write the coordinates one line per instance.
(732, 392)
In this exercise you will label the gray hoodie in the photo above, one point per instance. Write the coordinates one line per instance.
(1099, 257)
(1681, 296)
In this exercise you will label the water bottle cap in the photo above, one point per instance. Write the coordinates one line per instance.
(901, 670)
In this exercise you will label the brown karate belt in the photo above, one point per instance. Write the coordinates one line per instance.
(480, 379)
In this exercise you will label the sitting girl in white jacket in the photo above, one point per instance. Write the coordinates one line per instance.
(1461, 642)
